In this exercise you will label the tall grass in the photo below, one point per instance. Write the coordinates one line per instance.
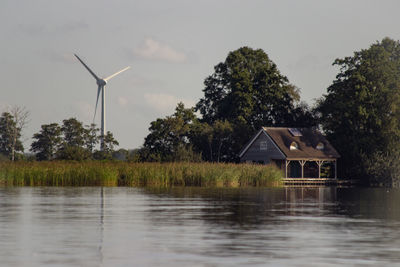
(137, 174)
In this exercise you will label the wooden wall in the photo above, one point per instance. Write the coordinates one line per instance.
(255, 154)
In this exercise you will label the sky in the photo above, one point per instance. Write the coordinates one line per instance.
(171, 46)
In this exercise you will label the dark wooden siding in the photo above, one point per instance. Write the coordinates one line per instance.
(254, 154)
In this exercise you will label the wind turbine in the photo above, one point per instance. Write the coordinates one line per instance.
(101, 83)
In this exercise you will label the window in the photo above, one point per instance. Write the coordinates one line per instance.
(294, 146)
(263, 145)
(320, 146)
(295, 132)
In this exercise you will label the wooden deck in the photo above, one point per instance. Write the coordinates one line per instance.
(319, 181)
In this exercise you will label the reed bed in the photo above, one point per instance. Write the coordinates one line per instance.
(138, 174)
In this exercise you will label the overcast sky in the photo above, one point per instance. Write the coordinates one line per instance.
(171, 46)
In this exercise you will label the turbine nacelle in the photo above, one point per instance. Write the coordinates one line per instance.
(101, 82)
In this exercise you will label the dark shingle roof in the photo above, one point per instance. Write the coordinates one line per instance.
(307, 143)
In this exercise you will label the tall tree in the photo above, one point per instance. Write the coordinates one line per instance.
(47, 141)
(248, 88)
(360, 113)
(20, 115)
(73, 145)
(10, 135)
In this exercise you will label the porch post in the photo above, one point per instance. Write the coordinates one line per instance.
(287, 162)
(302, 162)
(285, 168)
(319, 170)
(335, 169)
(319, 162)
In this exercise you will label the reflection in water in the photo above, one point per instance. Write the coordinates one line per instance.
(199, 226)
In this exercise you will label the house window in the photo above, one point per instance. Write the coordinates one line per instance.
(263, 145)
(294, 146)
(320, 146)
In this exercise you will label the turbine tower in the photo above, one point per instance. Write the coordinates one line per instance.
(101, 83)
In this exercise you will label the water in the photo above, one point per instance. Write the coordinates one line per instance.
(93, 226)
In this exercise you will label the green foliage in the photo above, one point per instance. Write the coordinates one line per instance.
(248, 89)
(210, 139)
(91, 136)
(109, 143)
(47, 141)
(137, 174)
(169, 138)
(121, 154)
(67, 152)
(74, 133)
(383, 168)
(360, 114)
(10, 135)
(71, 141)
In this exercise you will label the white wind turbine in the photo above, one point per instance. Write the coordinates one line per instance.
(101, 83)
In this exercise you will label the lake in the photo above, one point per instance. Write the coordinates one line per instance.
(122, 226)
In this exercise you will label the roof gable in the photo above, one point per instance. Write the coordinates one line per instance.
(253, 140)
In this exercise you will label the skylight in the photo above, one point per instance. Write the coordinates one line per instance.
(295, 132)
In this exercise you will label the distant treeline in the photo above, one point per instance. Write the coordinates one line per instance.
(69, 141)
(360, 115)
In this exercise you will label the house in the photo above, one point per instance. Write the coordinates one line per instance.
(299, 152)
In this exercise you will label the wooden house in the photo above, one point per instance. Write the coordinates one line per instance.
(299, 152)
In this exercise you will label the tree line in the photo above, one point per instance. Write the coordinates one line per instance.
(360, 115)
(69, 141)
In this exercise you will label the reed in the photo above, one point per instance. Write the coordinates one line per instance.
(93, 173)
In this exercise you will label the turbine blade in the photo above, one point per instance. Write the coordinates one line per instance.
(91, 72)
(97, 101)
(115, 74)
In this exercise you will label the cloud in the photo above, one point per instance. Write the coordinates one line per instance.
(165, 102)
(122, 101)
(155, 50)
(50, 29)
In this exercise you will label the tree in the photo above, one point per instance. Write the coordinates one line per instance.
(360, 113)
(74, 133)
(10, 134)
(169, 137)
(48, 141)
(91, 138)
(108, 147)
(209, 139)
(248, 91)
(222, 133)
(73, 145)
(20, 115)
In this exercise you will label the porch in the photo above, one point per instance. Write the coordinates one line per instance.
(308, 168)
